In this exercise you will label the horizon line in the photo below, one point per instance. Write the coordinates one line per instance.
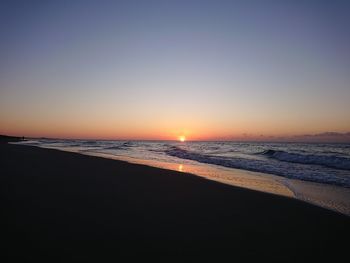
(272, 139)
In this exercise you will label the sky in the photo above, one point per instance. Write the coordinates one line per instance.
(207, 70)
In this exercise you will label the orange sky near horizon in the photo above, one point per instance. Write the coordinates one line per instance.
(165, 130)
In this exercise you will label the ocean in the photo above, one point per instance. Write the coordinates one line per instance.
(314, 172)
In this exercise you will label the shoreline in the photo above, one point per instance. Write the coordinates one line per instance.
(317, 194)
(330, 197)
(81, 207)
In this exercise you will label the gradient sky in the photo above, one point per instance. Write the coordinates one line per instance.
(160, 69)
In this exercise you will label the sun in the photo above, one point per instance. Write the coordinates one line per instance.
(182, 138)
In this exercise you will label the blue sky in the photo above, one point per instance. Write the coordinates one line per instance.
(157, 69)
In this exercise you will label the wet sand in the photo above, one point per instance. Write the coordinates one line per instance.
(67, 207)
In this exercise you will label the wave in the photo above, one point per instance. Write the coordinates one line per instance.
(74, 145)
(128, 144)
(121, 146)
(284, 169)
(324, 160)
(114, 148)
(89, 142)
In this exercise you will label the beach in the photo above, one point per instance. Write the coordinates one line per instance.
(68, 207)
(314, 173)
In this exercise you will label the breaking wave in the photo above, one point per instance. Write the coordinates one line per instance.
(291, 170)
(324, 160)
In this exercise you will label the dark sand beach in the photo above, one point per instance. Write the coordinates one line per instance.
(60, 206)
